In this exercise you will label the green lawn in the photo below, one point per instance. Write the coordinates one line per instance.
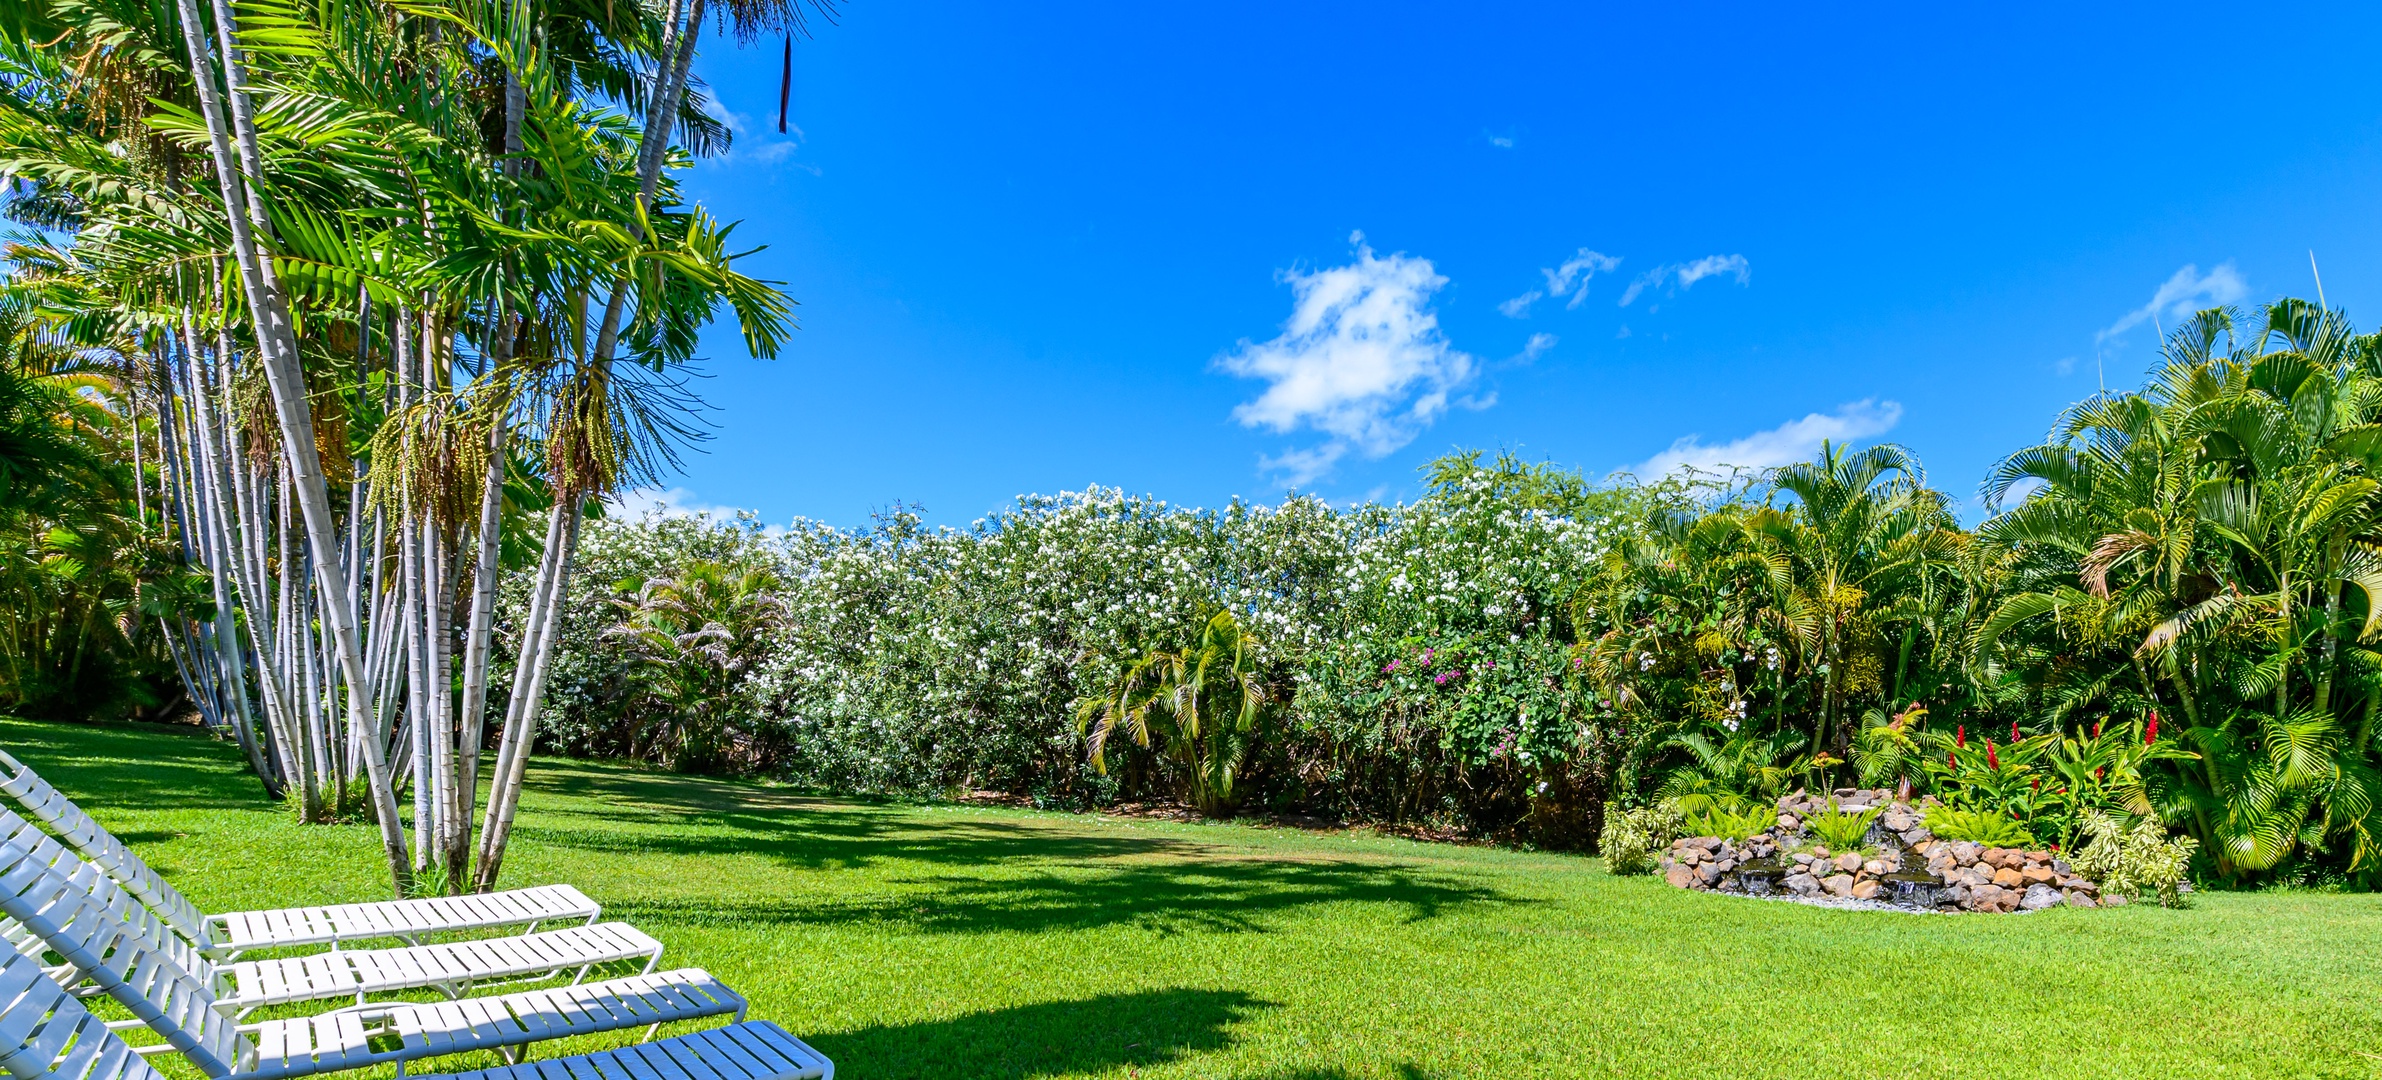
(935, 941)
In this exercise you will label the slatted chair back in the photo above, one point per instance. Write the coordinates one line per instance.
(51, 807)
(46, 850)
(90, 921)
(45, 1034)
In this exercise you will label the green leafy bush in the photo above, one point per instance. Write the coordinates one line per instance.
(1631, 839)
(1840, 830)
(1731, 823)
(2135, 862)
(1977, 826)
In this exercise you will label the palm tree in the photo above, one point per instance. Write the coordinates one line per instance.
(410, 297)
(697, 635)
(2214, 537)
(1866, 534)
(1203, 705)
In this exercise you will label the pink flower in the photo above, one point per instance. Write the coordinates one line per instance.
(2014, 735)
(1389, 667)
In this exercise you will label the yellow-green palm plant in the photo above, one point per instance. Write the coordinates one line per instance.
(2218, 532)
(697, 635)
(1204, 706)
(1865, 534)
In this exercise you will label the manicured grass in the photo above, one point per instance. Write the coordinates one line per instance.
(937, 941)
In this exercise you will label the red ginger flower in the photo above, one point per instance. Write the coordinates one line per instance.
(1960, 735)
(2014, 736)
(2150, 733)
(1992, 761)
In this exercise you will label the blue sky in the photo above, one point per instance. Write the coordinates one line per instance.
(1207, 250)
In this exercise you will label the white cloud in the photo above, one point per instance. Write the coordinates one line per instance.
(1790, 442)
(770, 153)
(756, 143)
(1502, 142)
(672, 502)
(1570, 279)
(1361, 360)
(1685, 275)
(1536, 347)
(2186, 292)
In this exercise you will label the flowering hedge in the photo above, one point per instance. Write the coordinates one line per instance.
(1424, 649)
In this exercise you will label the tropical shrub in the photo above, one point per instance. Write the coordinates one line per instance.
(2137, 859)
(1204, 705)
(1632, 839)
(1977, 826)
(696, 638)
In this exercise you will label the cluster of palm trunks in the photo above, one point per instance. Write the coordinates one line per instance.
(1900, 863)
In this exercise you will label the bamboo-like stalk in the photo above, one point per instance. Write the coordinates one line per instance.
(268, 313)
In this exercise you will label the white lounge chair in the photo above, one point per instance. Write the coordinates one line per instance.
(45, 1034)
(83, 917)
(228, 935)
(242, 986)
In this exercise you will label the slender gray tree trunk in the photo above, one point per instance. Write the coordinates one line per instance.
(286, 380)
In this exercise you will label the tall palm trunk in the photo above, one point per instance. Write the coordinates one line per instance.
(269, 316)
(536, 658)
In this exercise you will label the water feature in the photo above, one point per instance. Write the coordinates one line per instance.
(1911, 888)
(1759, 877)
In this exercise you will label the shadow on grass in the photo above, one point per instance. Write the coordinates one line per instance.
(1407, 1071)
(970, 875)
(1055, 1038)
(1170, 897)
(1047, 875)
(106, 765)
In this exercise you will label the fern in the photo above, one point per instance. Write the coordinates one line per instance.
(1977, 826)
(1730, 823)
(1840, 830)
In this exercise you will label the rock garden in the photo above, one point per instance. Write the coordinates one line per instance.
(1857, 846)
